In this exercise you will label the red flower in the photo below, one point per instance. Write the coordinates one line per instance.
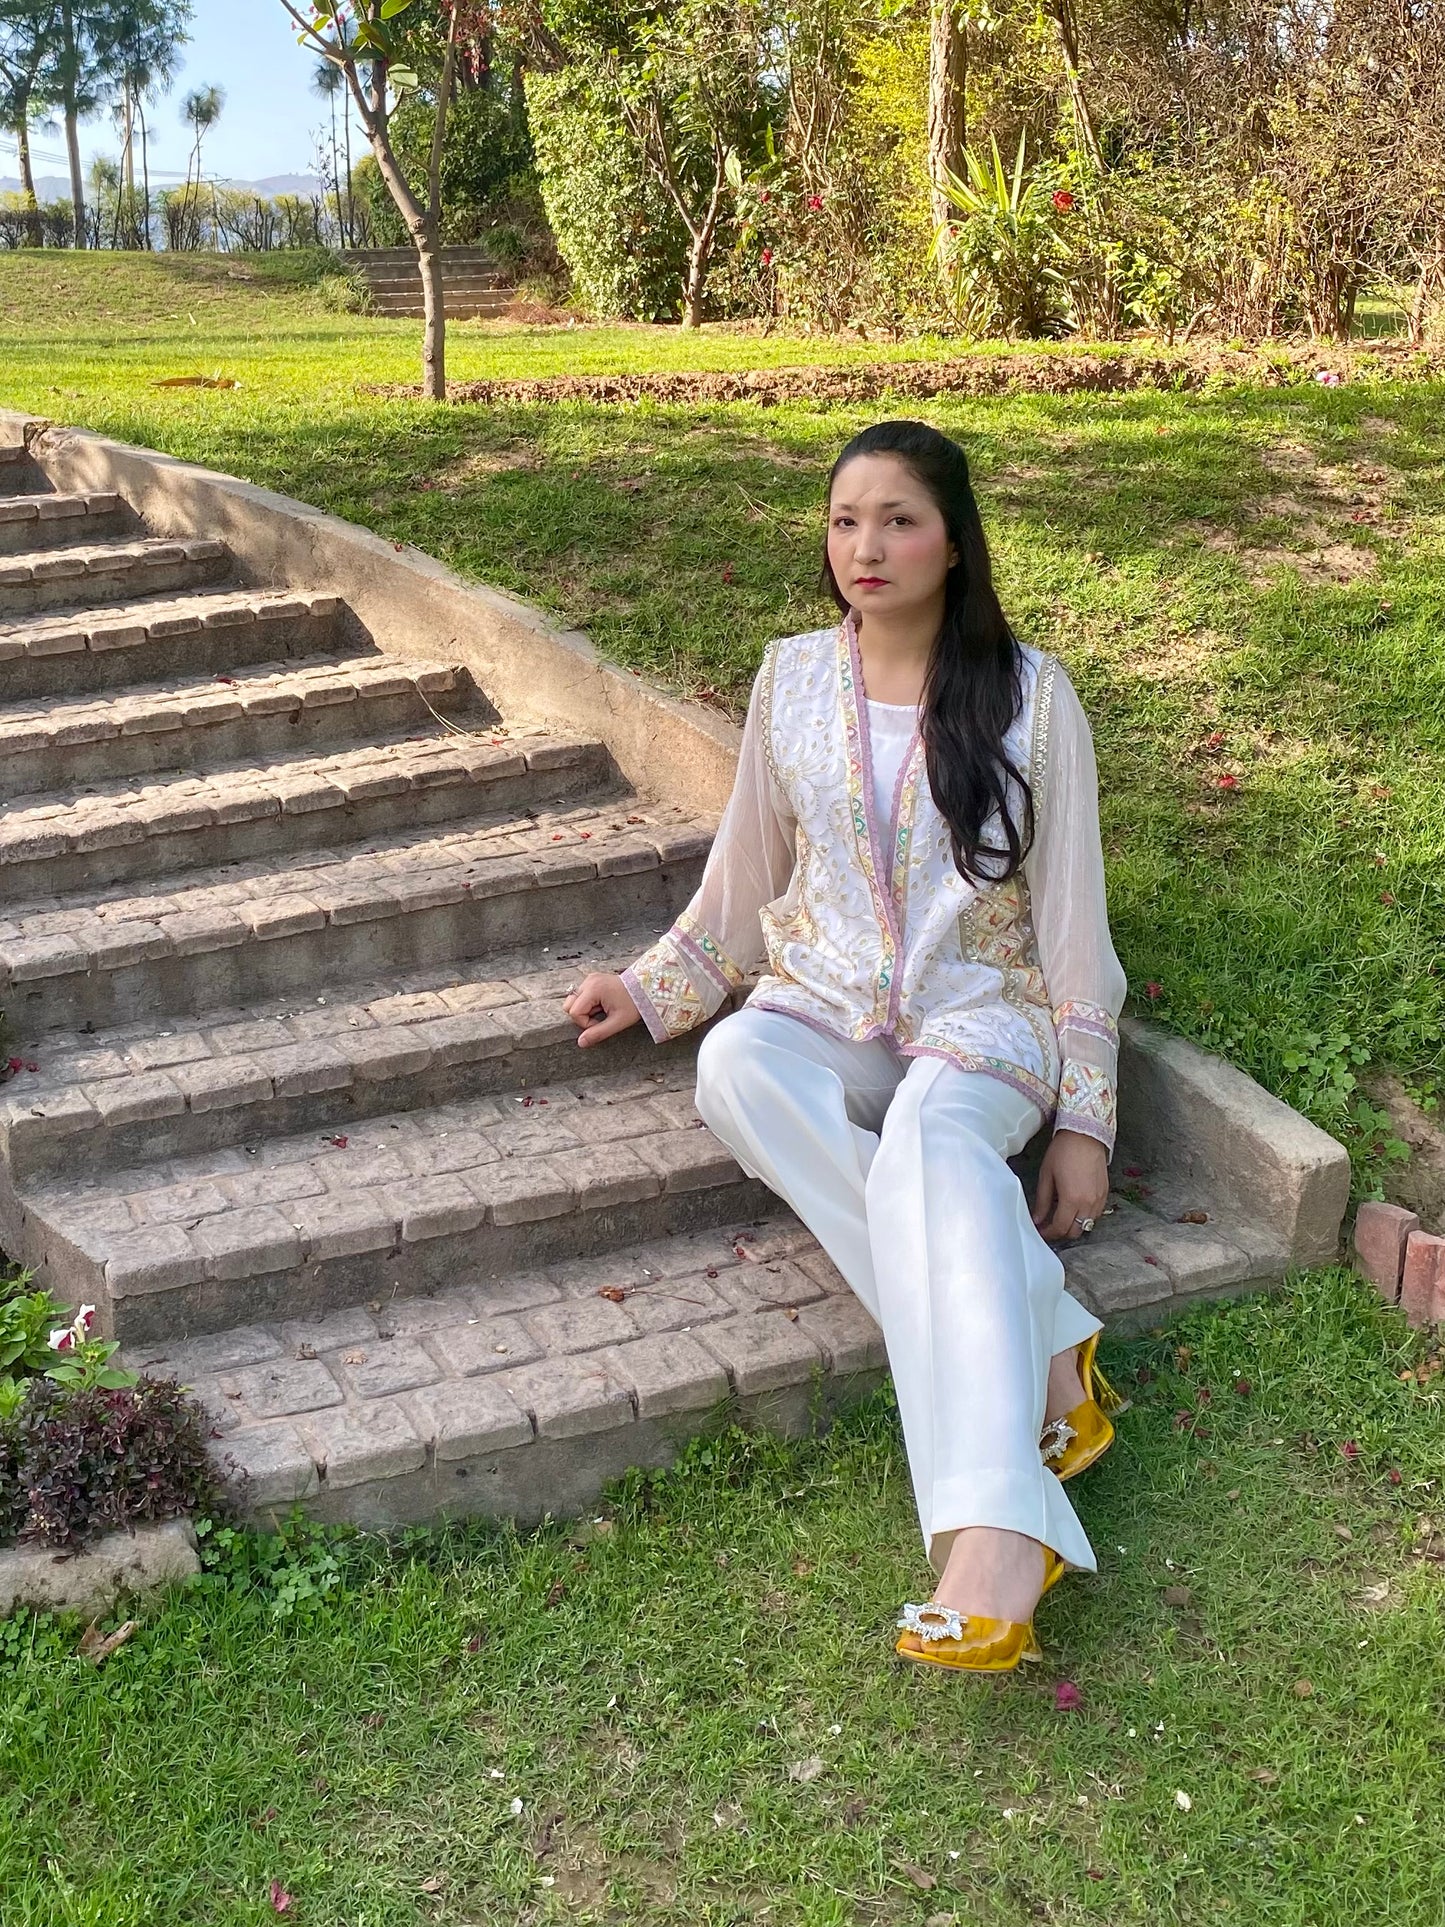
(815, 201)
(766, 257)
(1153, 991)
(1063, 200)
(765, 195)
(1350, 1450)
(1394, 1475)
(1229, 782)
(1067, 1697)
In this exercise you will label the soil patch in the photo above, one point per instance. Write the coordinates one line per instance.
(1419, 1183)
(1320, 503)
(1022, 370)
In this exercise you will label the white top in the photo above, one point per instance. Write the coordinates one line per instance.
(890, 726)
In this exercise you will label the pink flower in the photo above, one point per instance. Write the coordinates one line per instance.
(815, 201)
(1063, 200)
(1349, 1449)
(1153, 991)
(1067, 1697)
(1394, 1475)
(1327, 377)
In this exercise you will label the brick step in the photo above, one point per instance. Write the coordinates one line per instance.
(72, 652)
(108, 572)
(380, 257)
(466, 286)
(182, 1086)
(395, 1205)
(461, 309)
(265, 710)
(62, 844)
(526, 1393)
(272, 927)
(49, 522)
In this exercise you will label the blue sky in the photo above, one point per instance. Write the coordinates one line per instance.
(266, 127)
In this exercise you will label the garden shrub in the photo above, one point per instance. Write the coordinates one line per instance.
(614, 225)
(77, 1462)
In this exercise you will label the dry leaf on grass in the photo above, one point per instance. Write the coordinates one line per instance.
(97, 1647)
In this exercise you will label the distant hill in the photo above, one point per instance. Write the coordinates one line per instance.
(51, 187)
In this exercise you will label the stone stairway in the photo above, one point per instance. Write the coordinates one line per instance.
(472, 284)
(286, 920)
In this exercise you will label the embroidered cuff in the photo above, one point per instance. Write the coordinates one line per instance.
(1086, 1020)
(680, 980)
(1086, 1102)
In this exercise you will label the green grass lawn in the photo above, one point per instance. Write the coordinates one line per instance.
(698, 1707)
(1182, 555)
(1178, 551)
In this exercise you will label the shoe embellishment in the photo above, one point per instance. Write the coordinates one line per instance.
(932, 1621)
(1056, 1436)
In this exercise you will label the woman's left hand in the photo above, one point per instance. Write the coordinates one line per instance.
(1073, 1183)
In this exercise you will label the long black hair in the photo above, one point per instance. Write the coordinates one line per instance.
(974, 683)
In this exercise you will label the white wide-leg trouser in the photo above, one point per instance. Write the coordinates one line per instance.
(897, 1166)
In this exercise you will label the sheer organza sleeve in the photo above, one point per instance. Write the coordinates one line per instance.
(1065, 871)
(685, 976)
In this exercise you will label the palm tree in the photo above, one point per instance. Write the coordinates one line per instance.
(200, 110)
(328, 81)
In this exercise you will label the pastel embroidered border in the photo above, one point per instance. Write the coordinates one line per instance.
(1086, 1101)
(859, 779)
(698, 943)
(1091, 1020)
(1043, 708)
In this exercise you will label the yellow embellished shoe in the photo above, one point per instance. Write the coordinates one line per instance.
(935, 1635)
(1071, 1444)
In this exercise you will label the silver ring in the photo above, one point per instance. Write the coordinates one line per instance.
(1087, 1223)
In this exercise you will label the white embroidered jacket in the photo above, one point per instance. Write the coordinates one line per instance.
(869, 929)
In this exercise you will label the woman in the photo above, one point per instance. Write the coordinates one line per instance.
(912, 848)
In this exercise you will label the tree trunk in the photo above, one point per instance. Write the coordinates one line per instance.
(947, 113)
(434, 325)
(27, 182)
(697, 267)
(145, 168)
(349, 226)
(1063, 13)
(70, 61)
(77, 181)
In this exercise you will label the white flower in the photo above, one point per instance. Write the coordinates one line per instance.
(1182, 1801)
(61, 1339)
(517, 1803)
(85, 1317)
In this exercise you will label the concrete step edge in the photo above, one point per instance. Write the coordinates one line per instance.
(378, 1193)
(231, 1069)
(207, 914)
(125, 625)
(53, 826)
(105, 559)
(542, 1381)
(256, 689)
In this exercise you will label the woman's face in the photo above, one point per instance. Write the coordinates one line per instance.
(888, 547)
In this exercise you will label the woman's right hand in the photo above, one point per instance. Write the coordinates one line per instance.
(601, 1007)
